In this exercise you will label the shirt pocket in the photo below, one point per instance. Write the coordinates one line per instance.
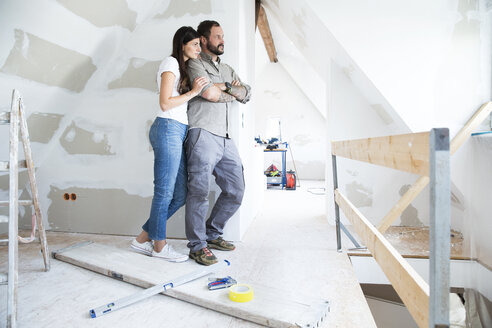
(214, 76)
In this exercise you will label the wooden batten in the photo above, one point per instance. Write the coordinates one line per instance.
(480, 115)
(410, 286)
(405, 152)
(266, 34)
(403, 203)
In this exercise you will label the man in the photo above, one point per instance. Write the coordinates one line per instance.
(209, 147)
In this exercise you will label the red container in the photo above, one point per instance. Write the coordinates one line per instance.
(291, 181)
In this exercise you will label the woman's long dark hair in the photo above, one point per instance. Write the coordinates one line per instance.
(182, 36)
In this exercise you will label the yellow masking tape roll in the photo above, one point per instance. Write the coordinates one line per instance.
(241, 293)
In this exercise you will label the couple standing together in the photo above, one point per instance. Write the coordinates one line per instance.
(191, 141)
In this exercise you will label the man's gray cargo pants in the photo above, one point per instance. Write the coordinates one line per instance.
(210, 154)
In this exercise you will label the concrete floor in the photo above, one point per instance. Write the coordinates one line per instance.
(290, 244)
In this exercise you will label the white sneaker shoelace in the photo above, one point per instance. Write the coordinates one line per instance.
(168, 253)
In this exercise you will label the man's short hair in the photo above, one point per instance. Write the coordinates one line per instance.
(205, 27)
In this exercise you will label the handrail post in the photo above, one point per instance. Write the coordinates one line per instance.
(439, 227)
(337, 209)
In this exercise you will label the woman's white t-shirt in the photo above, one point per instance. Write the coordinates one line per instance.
(170, 64)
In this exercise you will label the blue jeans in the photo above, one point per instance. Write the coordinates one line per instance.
(170, 177)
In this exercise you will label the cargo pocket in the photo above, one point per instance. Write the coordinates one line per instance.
(191, 139)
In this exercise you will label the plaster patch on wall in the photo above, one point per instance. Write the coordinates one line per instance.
(25, 212)
(179, 8)
(410, 216)
(275, 94)
(96, 210)
(115, 12)
(469, 25)
(139, 74)
(299, 20)
(4, 182)
(42, 126)
(352, 173)
(359, 195)
(76, 140)
(383, 114)
(42, 61)
(456, 199)
(465, 6)
(348, 71)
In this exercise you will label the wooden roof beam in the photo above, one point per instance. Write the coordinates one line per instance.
(266, 34)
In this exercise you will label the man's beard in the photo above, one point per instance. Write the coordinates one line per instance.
(215, 50)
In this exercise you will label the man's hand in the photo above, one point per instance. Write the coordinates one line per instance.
(238, 91)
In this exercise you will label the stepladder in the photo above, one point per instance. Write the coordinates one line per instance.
(16, 118)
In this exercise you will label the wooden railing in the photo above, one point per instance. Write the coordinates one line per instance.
(426, 154)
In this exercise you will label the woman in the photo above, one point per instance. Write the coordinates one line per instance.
(167, 135)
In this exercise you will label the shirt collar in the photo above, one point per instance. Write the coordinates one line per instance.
(207, 57)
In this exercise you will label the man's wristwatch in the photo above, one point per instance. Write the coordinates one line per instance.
(228, 87)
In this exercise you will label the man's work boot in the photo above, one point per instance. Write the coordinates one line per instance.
(203, 256)
(221, 244)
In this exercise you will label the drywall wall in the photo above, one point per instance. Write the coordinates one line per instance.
(429, 59)
(474, 160)
(87, 74)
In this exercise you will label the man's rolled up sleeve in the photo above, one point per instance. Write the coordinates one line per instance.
(195, 69)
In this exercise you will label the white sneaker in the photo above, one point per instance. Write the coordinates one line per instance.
(168, 253)
(145, 248)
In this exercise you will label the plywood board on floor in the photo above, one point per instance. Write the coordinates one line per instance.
(270, 306)
(291, 242)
